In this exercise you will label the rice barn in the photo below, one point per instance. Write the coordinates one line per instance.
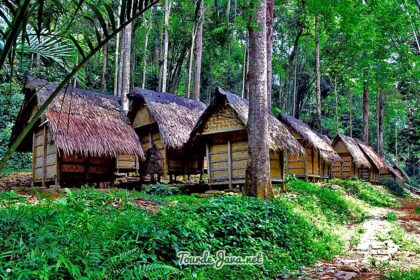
(82, 137)
(354, 161)
(319, 157)
(221, 136)
(163, 122)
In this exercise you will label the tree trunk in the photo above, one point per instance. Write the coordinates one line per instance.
(245, 70)
(121, 65)
(228, 10)
(258, 181)
(104, 66)
(295, 87)
(365, 108)
(117, 52)
(146, 42)
(350, 113)
(167, 12)
(269, 20)
(126, 58)
(318, 77)
(198, 50)
(190, 63)
(336, 106)
(381, 111)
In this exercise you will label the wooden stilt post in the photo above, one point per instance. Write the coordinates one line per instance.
(208, 162)
(44, 158)
(305, 163)
(33, 158)
(229, 158)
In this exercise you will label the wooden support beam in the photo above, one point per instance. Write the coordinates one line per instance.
(33, 158)
(229, 158)
(312, 161)
(45, 155)
(287, 162)
(305, 163)
(282, 169)
(208, 162)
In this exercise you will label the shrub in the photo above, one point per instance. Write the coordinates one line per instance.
(391, 216)
(402, 275)
(394, 187)
(161, 190)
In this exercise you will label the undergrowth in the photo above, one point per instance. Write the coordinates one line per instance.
(373, 195)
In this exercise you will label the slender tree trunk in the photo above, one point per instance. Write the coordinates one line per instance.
(104, 66)
(121, 65)
(350, 113)
(126, 58)
(198, 50)
(190, 63)
(318, 76)
(269, 20)
(258, 181)
(381, 111)
(295, 87)
(167, 11)
(146, 42)
(117, 52)
(228, 10)
(365, 108)
(336, 106)
(245, 70)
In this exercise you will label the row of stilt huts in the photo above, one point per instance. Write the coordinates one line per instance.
(84, 137)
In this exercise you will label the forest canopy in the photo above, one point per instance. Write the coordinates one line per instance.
(351, 54)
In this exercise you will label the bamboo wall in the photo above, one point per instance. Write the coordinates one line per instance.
(308, 166)
(44, 157)
(227, 149)
(345, 169)
(127, 163)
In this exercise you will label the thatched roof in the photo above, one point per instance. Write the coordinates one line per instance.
(370, 153)
(80, 121)
(325, 138)
(394, 171)
(280, 137)
(308, 135)
(174, 115)
(359, 158)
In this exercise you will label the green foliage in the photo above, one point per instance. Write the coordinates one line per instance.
(391, 216)
(161, 190)
(402, 275)
(96, 234)
(367, 192)
(395, 187)
(324, 202)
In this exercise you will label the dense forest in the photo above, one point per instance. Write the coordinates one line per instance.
(342, 66)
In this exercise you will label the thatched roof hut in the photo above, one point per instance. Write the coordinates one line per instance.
(77, 123)
(81, 122)
(221, 134)
(370, 153)
(359, 159)
(166, 120)
(308, 135)
(280, 137)
(174, 115)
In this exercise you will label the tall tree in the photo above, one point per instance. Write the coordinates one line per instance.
(318, 76)
(126, 66)
(258, 182)
(365, 107)
(270, 18)
(146, 42)
(164, 71)
(381, 111)
(198, 49)
(104, 67)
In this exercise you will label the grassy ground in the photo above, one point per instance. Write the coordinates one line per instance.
(91, 233)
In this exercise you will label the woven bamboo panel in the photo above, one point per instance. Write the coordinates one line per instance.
(224, 118)
(142, 118)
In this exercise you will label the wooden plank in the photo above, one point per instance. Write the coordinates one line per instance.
(209, 161)
(287, 162)
(44, 163)
(33, 156)
(229, 158)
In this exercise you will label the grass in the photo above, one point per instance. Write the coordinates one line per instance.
(402, 275)
(355, 239)
(373, 195)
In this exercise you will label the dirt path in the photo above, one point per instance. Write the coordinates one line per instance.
(372, 248)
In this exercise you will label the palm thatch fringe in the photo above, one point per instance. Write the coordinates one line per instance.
(308, 135)
(175, 116)
(81, 122)
(359, 158)
(377, 161)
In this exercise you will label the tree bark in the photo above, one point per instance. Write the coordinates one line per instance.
(126, 59)
(350, 113)
(318, 77)
(167, 12)
(258, 181)
(269, 20)
(365, 108)
(245, 92)
(146, 42)
(294, 105)
(117, 52)
(198, 50)
(104, 66)
(336, 106)
(381, 111)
